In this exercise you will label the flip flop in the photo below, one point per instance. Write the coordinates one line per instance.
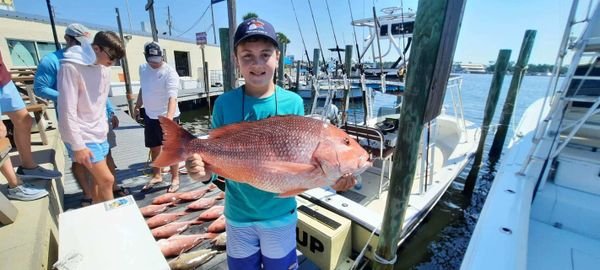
(85, 202)
(150, 185)
(173, 188)
(121, 192)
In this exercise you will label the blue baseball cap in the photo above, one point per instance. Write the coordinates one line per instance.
(255, 27)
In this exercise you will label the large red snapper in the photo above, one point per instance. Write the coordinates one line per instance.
(281, 154)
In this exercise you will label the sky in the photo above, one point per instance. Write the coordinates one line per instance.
(487, 26)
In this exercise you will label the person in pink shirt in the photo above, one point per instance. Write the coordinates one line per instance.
(84, 83)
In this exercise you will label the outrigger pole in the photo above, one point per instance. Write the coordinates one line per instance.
(318, 39)
(301, 36)
(355, 38)
(337, 47)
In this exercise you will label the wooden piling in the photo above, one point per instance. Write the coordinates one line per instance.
(281, 67)
(315, 71)
(297, 75)
(490, 108)
(347, 90)
(513, 90)
(125, 65)
(435, 34)
(225, 61)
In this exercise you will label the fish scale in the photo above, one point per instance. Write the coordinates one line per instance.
(281, 154)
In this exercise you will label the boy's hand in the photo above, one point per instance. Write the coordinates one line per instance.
(114, 121)
(84, 157)
(345, 182)
(196, 169)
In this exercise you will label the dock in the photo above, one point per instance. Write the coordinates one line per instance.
(131, 158)
(185, 94)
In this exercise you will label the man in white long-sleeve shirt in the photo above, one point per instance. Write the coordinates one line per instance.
(158, 93)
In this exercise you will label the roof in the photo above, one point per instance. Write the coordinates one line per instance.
(63, 22)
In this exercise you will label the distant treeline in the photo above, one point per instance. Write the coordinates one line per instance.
(531, 68)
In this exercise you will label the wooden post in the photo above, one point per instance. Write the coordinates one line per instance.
(347, 91)
(53, 25)
(231, 13)
(297, 75)
(206, 84)
(313, 92)
(513, 90)
(435, 34)
(125, 66)
(490, 108)
(225, 61)
(150, 8)
(280, 68)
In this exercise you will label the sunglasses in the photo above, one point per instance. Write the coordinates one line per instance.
(110, 56)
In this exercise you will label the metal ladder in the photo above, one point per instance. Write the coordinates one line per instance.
(550, 129)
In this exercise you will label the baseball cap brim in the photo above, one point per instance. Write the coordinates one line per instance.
(154, 59)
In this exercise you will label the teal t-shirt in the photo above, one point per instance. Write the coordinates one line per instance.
(244, 203)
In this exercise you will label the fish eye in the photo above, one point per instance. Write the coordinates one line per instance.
(347, 141)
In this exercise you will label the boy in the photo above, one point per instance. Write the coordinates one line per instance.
(260, 226)
(159, 88)
(84, 83)
(45, 86)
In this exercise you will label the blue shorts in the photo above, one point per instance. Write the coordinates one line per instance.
(10, 99)
(249, 247)
(99, 150)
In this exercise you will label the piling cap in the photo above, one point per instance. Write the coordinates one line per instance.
(255, 27)
(153, 52)
(79, 32)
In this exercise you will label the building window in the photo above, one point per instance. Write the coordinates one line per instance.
(45, 48)
(182, 63)
(23, 53)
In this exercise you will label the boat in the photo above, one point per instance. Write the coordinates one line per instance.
(333, 228)
(542, 211)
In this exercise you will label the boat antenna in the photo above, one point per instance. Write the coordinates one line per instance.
(301, 36)
(317, 31)
(337, 47)
(354, 33)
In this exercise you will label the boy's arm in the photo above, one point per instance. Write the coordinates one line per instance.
(138, 104)
(67, 107)
(171, 107)
(110, 109)
(45, 78)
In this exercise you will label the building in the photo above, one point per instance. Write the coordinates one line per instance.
(26, 38)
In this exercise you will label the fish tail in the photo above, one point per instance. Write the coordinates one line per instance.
(175, 138)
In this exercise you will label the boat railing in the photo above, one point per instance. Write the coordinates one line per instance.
(454, 86)
(562, 97)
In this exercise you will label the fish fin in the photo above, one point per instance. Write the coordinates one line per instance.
(228, 129)
(289, 167)
(291, 193)
(174, 141)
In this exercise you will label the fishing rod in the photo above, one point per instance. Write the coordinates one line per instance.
(318, 39)
(337, 47)
(301, 36)
(355, 38)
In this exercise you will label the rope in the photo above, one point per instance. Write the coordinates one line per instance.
(337, 47)
(381, 260)
(354, 32)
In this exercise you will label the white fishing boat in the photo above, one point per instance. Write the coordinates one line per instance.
(542, 211)
(334, 227)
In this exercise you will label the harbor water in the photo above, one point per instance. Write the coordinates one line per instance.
(441, 240)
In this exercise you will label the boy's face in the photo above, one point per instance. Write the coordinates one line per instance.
(104, 56)
(257, 61)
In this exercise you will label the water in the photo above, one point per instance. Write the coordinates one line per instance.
(441, 241)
